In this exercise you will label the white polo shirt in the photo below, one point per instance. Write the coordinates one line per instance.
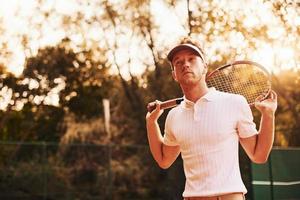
(208, 134)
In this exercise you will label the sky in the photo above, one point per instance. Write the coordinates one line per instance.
(19, 25)
(16, 16)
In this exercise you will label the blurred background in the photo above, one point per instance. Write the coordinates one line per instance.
(76, 76)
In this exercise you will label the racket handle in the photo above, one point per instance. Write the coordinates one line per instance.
(165, 105)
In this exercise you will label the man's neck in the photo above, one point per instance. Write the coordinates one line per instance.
(195, 92)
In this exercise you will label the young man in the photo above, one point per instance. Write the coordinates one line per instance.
(206, 129)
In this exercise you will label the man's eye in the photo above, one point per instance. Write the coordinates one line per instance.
(179, 63)
(191, 58)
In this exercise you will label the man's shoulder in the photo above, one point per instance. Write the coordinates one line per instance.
(175, 111)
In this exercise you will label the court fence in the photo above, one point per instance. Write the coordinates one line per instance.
(46, 171)
(279, 178)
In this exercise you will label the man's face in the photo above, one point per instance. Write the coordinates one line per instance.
(188, 67)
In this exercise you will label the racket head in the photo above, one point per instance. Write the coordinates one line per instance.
(246, 78)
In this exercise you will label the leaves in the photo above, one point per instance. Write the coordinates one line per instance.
(86, 66)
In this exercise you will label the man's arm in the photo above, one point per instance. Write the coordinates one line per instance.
(258, 147)
(164, 155)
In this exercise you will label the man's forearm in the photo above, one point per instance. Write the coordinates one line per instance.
(265, 137)
(155, 140)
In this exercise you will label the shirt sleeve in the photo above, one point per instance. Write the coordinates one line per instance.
(246, 126)
(169, 137)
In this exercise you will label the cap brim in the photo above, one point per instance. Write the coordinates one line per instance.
(180, 47)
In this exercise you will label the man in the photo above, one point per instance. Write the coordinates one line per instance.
(206, 129)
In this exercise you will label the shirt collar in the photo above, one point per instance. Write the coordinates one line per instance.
(211, 95)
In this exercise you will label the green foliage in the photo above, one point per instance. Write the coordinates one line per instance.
(87, 102)
(33, 123)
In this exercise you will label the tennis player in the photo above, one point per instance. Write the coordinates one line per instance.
(206, 129)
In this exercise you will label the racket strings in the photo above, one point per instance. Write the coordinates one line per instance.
(244, 79)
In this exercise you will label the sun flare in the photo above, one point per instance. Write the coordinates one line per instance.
(18, 19)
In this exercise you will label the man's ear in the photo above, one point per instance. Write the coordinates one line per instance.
(205, 69)
(174, 75)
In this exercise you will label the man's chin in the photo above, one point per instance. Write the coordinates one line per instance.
(190, 81)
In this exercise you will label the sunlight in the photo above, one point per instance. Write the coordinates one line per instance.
(278, 51)
(5, 97)
(276, 32)
(274, 58)
(17, 17)
(16, 65)
(265, 56)
(170, 23)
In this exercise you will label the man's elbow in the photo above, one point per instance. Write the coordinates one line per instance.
(260, 159)
(164, 165)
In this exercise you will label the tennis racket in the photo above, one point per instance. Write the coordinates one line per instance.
(246, 78)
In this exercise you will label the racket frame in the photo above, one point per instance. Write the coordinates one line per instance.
(238, 62)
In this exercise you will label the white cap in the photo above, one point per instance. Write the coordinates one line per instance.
(180, 47)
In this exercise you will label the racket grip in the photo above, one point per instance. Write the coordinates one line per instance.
(165, 105)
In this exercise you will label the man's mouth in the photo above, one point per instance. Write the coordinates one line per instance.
(185, 73)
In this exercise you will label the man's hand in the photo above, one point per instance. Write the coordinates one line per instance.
(267, 106)
(155, 114)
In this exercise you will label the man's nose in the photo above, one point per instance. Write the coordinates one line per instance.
(186, 64)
